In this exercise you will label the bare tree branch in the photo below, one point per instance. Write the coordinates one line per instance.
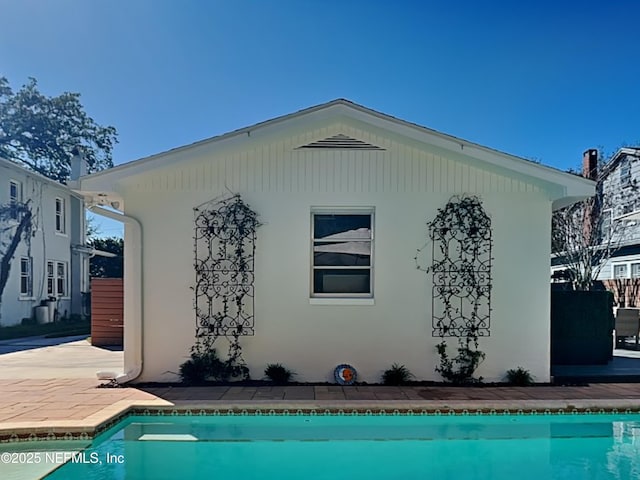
(584, 237)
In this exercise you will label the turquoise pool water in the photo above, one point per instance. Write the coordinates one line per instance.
(364, 447)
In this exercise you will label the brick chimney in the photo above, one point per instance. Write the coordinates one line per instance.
(592, 210)
(590, 164)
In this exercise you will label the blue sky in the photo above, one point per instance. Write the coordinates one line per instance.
(542, 80)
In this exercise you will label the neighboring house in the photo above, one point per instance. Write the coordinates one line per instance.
(333, 182)
(53, 262)
(620, 179)
(619, 191)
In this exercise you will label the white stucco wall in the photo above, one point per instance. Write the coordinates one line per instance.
(406, 185)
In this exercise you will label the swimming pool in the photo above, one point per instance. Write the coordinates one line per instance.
(370, 447)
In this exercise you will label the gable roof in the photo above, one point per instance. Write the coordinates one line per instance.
(10, 164)
(617, 157)
(574, 186)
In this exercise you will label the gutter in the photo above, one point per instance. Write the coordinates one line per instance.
(133, 301)
(92, 252)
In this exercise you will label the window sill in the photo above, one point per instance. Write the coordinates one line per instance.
(27, 299)
(61, 234)
(341, 301)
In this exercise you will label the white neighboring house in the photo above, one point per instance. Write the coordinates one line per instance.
(334, 169)
(55, 261)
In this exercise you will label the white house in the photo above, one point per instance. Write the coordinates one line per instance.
(51, 263)
(331, 182)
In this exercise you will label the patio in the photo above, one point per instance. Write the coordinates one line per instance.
(76, 406)
(45, 395)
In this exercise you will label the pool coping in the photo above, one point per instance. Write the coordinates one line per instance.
(92, 426)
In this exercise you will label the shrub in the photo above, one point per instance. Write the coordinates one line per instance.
(204, 366)
(193, 371)
(397, 375)
(519, 377)
(278, 374)
(460, 369)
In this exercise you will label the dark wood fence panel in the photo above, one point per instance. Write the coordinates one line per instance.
(107, 311)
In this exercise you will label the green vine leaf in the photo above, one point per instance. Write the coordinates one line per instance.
(225, 237)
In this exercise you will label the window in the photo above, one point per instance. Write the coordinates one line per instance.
(60, 215)
(342, 247)
(635, 270)
(50, 279)
(61, 279)
(607, 224)
(625, 172)
(26, 278)
(15, 198)
(620, 271)
(57, 279)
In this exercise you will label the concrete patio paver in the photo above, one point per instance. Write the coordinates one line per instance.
(78, 402)
(54, 388)
(35, 358)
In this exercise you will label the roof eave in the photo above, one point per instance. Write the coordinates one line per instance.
(564, 181)
(38, 176)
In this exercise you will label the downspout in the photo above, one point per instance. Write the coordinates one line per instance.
(133, 293)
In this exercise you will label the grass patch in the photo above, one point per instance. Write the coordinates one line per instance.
(49, 330)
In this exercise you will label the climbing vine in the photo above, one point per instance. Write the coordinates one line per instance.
(225, 239)
(461, 241)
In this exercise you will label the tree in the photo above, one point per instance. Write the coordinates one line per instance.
(584, 237)
(43, 132)
(15, 226)
(107, 267)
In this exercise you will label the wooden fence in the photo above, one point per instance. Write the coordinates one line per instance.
(626, 291)
(107, 311)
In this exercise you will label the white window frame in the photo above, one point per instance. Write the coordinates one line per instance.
(60, 216)
(51, 283)
(607, 222)
(620, 265)
(631, 270)
(625, 172)
(54, 277)
(62, 277)
(15, 200)
(342, 296)
(26, 275)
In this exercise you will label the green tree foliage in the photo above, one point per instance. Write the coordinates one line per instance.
(43, 132)
(107, 267)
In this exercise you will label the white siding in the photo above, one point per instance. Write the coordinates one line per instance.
(280, 167)
(45, 245)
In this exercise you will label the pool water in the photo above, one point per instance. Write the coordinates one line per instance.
(368, 447)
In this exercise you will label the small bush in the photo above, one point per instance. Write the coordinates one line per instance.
(519, 377)
(397, 375)
(278, 374)
(203, 366)
(193, 371)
